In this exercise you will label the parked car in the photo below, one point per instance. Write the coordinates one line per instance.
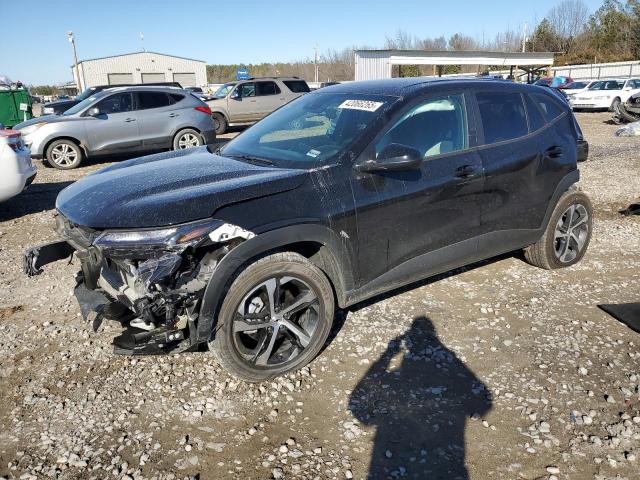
(64, 103)
(606, 94)
(630, 110)
(198, 92)
(340, 195)
(246, 102)
(576, 87)
(17, 170)
(554, 82)
(120, 120)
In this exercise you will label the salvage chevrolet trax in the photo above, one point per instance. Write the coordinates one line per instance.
(340, 195)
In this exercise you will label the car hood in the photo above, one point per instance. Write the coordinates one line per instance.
(169, 188)
(43, 119)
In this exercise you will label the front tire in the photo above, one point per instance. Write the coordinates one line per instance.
(64, 154)
(219, 123)
(274, 319)
(567, 235)
(615, 105)
(187, 138)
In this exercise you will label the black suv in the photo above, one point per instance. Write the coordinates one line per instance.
(344, 193)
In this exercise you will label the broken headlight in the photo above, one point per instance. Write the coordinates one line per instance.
(178, 237)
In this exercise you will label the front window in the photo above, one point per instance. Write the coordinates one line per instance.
(607, 85)
(79, 107)
(224, 90)
(309, 131)
(434, 127)
(117, 103)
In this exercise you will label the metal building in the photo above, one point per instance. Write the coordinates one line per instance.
(377, 64)
(140, 67)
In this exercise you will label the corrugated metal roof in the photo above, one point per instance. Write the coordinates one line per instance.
(139, 53)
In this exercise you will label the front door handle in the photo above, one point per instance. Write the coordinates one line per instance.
(553, 152)
(466, 172)
(128, 120)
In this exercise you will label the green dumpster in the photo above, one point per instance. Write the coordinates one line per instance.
(15, 106)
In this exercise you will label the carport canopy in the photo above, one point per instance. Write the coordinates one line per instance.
(378, 64)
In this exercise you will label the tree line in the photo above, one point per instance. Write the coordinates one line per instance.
(610, 34)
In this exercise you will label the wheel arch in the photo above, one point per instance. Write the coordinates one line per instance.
(48, 143)
(318, 244)
(567, 182)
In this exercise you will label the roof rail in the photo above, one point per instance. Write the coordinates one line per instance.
(281, 76)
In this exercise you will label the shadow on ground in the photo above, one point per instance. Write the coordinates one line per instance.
(418, 395)
(37, 198)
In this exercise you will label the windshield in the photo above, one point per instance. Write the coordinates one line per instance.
(576, 86)
(224, 90)
(607, 85)
(86, 94)
(310, 130)
(78, 107)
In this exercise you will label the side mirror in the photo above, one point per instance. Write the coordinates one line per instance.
(235, 94)
(94, 112)
(393, 157)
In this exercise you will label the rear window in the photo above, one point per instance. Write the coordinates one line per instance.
(297, 86)
(153, 100)
(550, 108)
(503, 116)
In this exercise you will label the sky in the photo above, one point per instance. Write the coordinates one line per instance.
(247, 31)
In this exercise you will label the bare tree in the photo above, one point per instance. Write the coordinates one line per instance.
(568, 20)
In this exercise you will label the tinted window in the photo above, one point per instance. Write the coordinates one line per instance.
(120, 102)
(550, 109)
(536, 121)
(502, 115)
(433, 127)
(297, 86)
(267, 88)
(247, 90)
(175, 97)
(152, 100)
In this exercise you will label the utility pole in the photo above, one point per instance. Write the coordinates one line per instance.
(142, 41)
(72, 41)
(315, 61)
(524, 39)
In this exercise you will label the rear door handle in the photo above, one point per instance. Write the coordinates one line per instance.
(553, 152)
(128, 120)
(172, 115)
(466, 172)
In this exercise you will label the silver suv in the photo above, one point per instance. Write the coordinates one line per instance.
(246, 102)
(120, 120)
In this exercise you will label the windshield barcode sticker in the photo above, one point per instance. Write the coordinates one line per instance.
(366, 105)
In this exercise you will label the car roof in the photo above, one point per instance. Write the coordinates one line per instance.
(399, 87)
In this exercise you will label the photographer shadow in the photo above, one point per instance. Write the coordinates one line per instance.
(418, 395)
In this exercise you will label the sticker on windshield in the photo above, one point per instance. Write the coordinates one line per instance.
(366, 105)
(313, 153)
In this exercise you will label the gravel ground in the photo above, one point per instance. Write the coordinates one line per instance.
(502, 370)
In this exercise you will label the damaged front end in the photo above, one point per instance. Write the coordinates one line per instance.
(151, 280)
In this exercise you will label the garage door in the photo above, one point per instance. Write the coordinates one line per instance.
(119, 78)
(153, 77)
(185, 79)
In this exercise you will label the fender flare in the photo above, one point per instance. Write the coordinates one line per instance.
(333, 260)
(564, 185)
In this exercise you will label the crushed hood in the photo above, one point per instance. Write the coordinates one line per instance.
(169, 188)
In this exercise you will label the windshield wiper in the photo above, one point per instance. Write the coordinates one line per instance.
(251, 158)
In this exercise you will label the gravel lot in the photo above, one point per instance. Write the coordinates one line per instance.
(500, 371)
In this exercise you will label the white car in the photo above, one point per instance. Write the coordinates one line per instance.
(579, 86)
(17, 169)
(606, 94)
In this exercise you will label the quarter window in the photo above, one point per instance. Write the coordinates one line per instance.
(267, 88)
(297, 86)
(118, 103)
(148, 100)
(550, 109)
(536, 122)
(503, 116)
(433, 127)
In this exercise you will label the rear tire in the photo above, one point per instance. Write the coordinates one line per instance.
(567, 236)
(64, 154)
(187, 138)
(290, 303)
(219, 123)
(615, 105)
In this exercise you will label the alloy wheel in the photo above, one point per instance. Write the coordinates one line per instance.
(64, 155)
(571, 233)
(276, 321)
(188, 140)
